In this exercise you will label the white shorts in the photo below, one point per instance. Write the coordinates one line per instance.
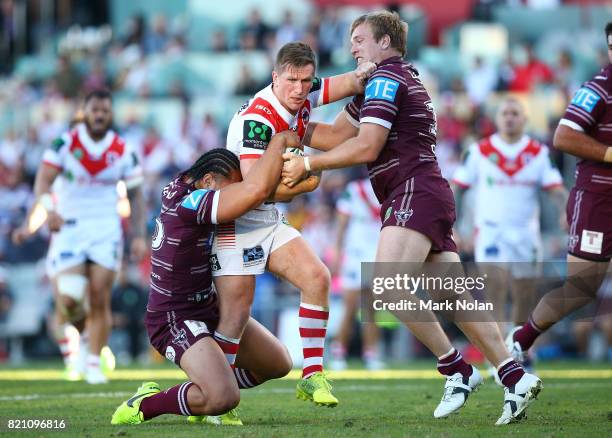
(521, 248)
(79, 241)
(243, 246)
(350, 273)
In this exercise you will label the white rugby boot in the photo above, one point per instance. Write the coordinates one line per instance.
(456, 392)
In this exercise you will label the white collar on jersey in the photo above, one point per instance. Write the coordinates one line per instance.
(94, 147)
(280, 109)
(510, 150)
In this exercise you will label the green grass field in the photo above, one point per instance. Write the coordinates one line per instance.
(576, 401)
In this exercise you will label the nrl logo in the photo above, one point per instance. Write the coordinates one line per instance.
(403, 215)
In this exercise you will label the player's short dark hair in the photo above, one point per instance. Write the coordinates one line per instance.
(386, 23)
(295, 54)
(219, 160)
(608, 30)
(101, 93)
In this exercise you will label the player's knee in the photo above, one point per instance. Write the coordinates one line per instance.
(222, 400)
(71, 289)
(283, 365)
(319, 278)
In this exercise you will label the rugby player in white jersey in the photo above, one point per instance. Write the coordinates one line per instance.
(358, 220)
(262, 239)
(77, 185)
(508, 170)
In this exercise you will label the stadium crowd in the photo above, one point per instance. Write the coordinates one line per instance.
(126, 61)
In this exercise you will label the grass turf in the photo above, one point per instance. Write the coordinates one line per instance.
(376, 406)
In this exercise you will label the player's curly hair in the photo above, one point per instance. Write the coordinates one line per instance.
(386, 23)
(219, 160)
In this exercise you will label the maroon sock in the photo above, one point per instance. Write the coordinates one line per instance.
(452, 363)
(510, 372)
(170, 401)
(527, 334)
(245, 378)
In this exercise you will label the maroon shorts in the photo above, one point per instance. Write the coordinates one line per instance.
(424, 204)
(589, 216)
(172, 332)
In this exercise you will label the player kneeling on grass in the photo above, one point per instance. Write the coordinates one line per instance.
(183, 312)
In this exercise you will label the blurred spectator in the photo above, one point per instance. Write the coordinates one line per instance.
(288, 31)
(67, 78)
(246, 85)
(136, 80)
(256, 28)
(33, 150)
(135, 34)
(333, 32)
(96, 78)
(5, 296)
(49, 128)
(247, 42)
(528, 71)
(480, 81)
(155, 152)
(208, 135)
(8, 34)
(219, 42)
(157, 39)
(11, 150)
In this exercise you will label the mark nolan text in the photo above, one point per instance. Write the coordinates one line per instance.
(435, 306)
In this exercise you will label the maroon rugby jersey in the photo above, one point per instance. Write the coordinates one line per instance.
(590, 111)
(396, 99)
(180, 250)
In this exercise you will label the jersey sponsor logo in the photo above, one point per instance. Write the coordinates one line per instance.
(381, 88)
(263, 108)
(591, 241)
(403, 215)
(256, 134)
(170, 353)
(586, 99)
(305, 115)
(193, 200)
(180, 337)
(253, 256)
(214, 262)
(57, 144)
(196, 327)
(158, 235)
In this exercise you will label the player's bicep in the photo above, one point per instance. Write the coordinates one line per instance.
(373, 136)
(236, 200)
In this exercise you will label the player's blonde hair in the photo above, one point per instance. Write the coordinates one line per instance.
(386, 23)
(295, 54)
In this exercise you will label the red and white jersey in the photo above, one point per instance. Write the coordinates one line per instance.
(87, 185)
(263, 115)
(359, 202)
(507, 178)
